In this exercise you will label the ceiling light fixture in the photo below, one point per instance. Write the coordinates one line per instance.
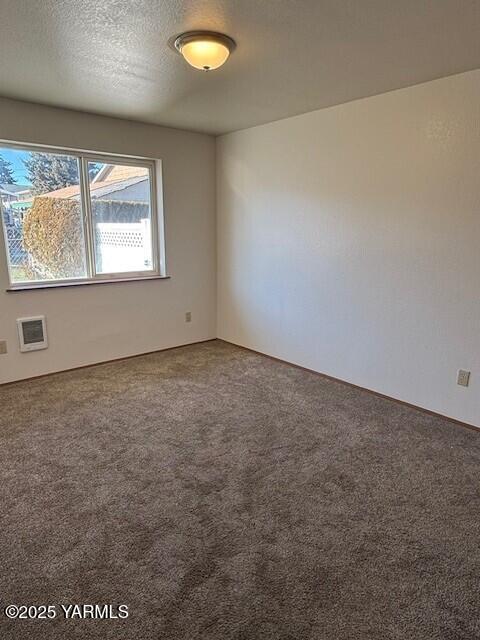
(204, 50)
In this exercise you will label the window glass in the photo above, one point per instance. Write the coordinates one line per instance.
(42, 215)
(77, 216)
(121, 217)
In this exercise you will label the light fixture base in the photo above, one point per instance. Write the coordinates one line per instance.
(212, 36)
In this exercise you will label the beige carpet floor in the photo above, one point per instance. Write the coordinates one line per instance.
(221, 495)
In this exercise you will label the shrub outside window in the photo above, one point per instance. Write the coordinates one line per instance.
(72, 217)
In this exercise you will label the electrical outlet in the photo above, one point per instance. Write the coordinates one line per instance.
(463, 378)
(3, 347)
(188, 316)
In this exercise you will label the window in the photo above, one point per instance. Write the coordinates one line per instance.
(72, 217)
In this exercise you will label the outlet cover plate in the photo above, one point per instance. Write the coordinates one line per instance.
(463, 378)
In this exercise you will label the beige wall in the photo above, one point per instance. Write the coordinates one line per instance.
(349, 242)
(95, 323)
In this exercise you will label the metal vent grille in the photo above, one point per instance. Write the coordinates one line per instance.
(32, 331)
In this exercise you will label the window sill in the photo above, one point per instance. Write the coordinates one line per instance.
(80, 283)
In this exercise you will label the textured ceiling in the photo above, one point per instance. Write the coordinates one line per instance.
(293, 56)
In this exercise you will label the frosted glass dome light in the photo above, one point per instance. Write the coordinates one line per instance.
(204, 50)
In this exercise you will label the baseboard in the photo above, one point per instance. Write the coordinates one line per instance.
(101, 362)
(466, 425)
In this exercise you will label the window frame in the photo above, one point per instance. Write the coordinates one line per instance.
(154, 167)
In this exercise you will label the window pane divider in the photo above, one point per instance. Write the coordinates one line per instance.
(87, 217)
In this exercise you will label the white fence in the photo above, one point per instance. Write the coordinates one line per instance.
(123, 246)
(16, 252)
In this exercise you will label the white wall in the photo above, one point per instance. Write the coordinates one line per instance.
(349, 242)
(95, 323)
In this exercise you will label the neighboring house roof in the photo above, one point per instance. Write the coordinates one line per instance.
(107, 188)
(70, 192)
(14, 189)
(97, 189)
(113, 172)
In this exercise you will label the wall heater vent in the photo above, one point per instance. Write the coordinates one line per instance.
(32, 333)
